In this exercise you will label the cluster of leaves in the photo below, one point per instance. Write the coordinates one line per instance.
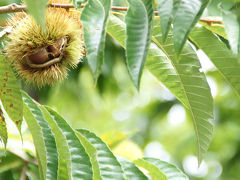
(150, 42)
(65, 153)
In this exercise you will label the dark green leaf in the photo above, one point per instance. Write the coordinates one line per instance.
(81, 167)
(94, 19)
(187, 16)
(139, 25)
(43, 138)
(64, 156)
(167, 10)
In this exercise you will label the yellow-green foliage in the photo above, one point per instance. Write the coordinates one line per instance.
(27, 37)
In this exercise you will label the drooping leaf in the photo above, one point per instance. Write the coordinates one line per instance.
(195, 88)
(232, 25)
(64, 156)
(157, 62)
(132, 172)
(152, 169)
(3, 128)
(181, 76)
(94, 19)
(225, 61)
(81, 167)
(167, 11)
(139, 24)
(109, 166)
(43, 138)
(10, 94)
(187, 16)
(37, 9)
(171, 171)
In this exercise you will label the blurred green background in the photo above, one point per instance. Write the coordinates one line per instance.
(150, 122)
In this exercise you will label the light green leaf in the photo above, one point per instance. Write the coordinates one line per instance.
(187, 16)
(139, 25)
(94, 19)
(132, 172)
(152, 169)
(92, 152)
(215, 28)
(225, 61)
(81, 167)
(3, 128)
(195, 88)
(232, 25)
(10, 94)
(64, 156)
(37, 9)
(43, 138)
(167, 11)
(171, 171)
(109, 166)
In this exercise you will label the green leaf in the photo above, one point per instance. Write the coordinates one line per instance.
(109, 166)
(232, 25)
(132, 172)
(152, 169)
(215, 28)
(157, 62)
(94, 19)
(181, 75)
(81, 167)
(195, 88)
(167, 11)
(138, 22)
(37, 9)
(171, 171)
(64, 156)
(3, 128)
(225, 61)
(43, 138)
(92, 152)
(10, 94)
(187, 16)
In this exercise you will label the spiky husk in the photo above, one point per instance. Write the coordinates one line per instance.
(27, 36)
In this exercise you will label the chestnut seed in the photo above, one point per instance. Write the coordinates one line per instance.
(39, 57)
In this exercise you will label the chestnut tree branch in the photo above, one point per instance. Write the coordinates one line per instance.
(12, 8)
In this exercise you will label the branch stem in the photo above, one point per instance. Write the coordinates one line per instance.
(12, 8)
